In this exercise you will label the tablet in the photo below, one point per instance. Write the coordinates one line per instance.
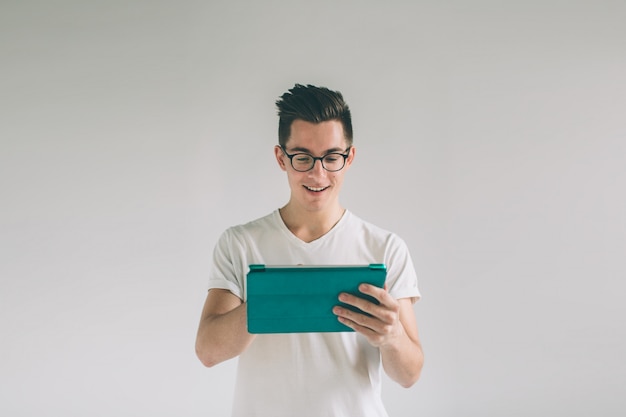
(300, 299)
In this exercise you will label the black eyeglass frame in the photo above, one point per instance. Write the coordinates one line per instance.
(318, 158)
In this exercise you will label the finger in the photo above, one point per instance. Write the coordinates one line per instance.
(364, 330)
(378, 293)
(384, 314)
(362, 304)
(374, 323)
(354, 319)
(386, 303)
(375, 336)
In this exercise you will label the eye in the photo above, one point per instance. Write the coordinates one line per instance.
(302, 158)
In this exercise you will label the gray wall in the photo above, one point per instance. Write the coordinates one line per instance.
(490, 136)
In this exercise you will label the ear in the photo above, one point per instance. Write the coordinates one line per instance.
(350, 157)
(280, 157)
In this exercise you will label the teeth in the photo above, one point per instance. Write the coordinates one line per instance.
(315, 189)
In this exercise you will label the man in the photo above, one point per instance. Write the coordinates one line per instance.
(313, 374)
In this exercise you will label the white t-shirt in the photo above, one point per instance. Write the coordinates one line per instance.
(310, 374)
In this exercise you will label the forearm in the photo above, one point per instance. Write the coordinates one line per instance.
(223, 336)
(403, 360)
(389, 325)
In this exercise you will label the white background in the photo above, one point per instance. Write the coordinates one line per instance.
(491, 136)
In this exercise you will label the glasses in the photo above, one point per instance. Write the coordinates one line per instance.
(331, 162)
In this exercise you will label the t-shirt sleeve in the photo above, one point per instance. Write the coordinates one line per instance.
(226, 271)
(401, 276)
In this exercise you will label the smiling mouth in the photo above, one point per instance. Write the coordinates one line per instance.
(316, 189)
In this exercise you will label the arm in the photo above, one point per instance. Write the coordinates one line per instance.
(222, 333)
(392, 328)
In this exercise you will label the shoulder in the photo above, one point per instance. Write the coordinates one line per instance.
(376, 238)
(368, 229)
(268, 221)
(260, 225)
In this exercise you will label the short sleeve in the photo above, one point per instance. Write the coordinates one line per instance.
(401, 276)
(226, 271)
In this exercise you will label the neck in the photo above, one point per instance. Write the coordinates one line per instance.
(309, 226)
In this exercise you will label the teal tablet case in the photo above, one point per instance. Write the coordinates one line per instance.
(299, 299)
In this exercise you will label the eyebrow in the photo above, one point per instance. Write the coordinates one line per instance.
(305, 150)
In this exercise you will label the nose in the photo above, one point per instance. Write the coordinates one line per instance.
(317, 168)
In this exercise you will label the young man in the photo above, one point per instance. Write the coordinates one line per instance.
(313, 374)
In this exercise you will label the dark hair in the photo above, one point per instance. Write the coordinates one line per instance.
(312, 104)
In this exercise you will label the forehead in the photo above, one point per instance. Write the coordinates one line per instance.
(316, 137)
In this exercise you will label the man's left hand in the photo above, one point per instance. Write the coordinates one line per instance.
(382, 326)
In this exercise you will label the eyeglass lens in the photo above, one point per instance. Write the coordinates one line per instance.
(330, 162)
